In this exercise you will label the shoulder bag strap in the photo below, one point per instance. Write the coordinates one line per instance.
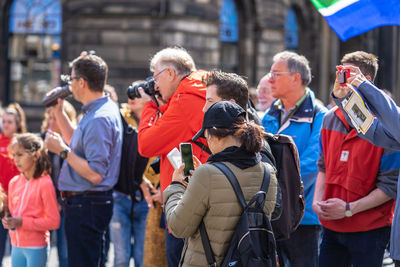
(316, 110)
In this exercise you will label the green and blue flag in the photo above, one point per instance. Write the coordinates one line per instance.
(349, 18)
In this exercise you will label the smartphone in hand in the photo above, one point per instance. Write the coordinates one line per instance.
(187, 157)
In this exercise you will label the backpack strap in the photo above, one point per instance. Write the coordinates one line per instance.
(235, 184)
(266, 180)
(238, 191)
(207, 246)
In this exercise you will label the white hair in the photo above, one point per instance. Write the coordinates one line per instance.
(175, 57)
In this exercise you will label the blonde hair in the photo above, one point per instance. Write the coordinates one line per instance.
(67, 108)
(3, 202)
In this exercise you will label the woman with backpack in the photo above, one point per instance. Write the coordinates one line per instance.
(208, 196)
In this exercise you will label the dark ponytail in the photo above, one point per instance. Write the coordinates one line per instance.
(34, 145)
(251, 135)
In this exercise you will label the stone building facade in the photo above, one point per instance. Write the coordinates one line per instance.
(127, 32)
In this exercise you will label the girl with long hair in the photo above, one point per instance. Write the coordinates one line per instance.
(32, 203)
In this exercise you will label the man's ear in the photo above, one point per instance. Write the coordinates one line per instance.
(368, 77)
(297, 77)
(82, 82)
(172, 73)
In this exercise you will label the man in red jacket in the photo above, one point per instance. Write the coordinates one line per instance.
(174, 119)
(355, 187)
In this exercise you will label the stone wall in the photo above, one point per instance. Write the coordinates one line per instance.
(126, 33)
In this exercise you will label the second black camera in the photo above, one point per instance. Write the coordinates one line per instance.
(148, 87)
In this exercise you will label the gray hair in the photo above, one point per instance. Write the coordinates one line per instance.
(175, 57)
(296, 63)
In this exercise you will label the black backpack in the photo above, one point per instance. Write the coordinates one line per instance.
(133, 164)
(287, 165)
(252, 243)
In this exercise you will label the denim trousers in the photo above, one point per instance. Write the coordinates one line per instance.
(173, 249)
(29, 257)
(87, 217)
(353, 249)
(301, 249)
(3, 239)
(61, 243)
(124, 228)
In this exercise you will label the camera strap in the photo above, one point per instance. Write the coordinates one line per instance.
(202, 146)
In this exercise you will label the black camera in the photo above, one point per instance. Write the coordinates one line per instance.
(148, 87)
(61, 92)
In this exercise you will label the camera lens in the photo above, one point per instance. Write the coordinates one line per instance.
(148, 87)
(133, 91)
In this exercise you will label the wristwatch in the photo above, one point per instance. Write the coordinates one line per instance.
(64, 153)
(348, 212)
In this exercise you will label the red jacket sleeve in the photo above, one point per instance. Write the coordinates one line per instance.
(179, 123)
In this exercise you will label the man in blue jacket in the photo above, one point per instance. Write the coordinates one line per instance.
(295, 113)
(384, 132)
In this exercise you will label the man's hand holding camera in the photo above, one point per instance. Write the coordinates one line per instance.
(54, 142)
(356, 78)
(146, 97)
(351, 75)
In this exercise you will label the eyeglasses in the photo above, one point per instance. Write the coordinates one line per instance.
(154, 76)
(274, 74)
(68, 78)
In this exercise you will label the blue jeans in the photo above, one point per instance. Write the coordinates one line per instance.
(173, 249)
(353, 249)
(62, 250)
(123, 227)
(3, 238)
(301, 249)
(28, 257)
(87, 217)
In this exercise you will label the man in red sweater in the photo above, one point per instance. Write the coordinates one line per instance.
(355, 187)
(173, 118)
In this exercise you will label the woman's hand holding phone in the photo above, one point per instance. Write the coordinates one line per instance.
(178, 175)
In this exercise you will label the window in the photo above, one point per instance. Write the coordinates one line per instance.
(229, 36)
(291, 31)
(34, 49)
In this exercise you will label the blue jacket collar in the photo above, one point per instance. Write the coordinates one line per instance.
(306, 109)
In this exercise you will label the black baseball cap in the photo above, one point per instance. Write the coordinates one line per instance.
(222, 114)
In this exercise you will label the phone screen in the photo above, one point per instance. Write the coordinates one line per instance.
(187, 157)
(342, 77)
